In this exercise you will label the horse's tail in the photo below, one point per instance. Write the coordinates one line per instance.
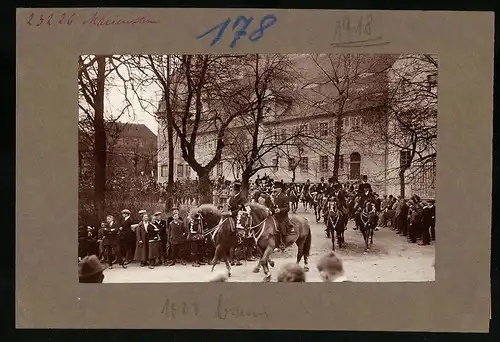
(307, 243)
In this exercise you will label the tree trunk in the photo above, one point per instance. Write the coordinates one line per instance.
(100, 140)
(170, 138)
(245, 182)
(293, 176)
(336, 158)
(402, 182)
(204, 187)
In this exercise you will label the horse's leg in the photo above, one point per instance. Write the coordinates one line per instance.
(333, 237)
(256, 269)
(226, 261)
(265, 259)
(300, 249)
(365, 237)
(371, 236)
(217, 255)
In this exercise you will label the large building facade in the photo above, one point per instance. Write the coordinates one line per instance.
(317, 119)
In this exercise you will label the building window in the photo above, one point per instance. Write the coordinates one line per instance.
(304, 129)
(210, 145)
(304, 164)
(341, 161)
(356, 123)
(164, 170)
(291, 164)
(188, 170)
(323, 129)
(404, 158)
(431, 82)
(346, 123)
(355, 166)
(424, 178)
(283, 134)
(324, 163)
(219, 169)
(275, 164)
(180, 170)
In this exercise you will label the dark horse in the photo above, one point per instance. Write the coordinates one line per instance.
(320, 201)
(220, 228)
(307, 200)
(367, 223)
(335, 223)
(262, 226)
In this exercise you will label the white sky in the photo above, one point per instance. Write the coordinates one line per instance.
(115, 102)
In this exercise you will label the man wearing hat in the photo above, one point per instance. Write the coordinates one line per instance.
(330, 189)
(322, 186)
(280, 210)
(90, 270)
(364, 187)
(128, 236)
(112, 232)
(342, 202)
(168, 246)
(236, 201)
(162, 226)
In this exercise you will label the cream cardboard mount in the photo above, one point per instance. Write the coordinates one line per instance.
(48, 294)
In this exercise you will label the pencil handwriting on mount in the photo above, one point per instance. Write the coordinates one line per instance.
(173, 309)
(225, 310)
(357, 31)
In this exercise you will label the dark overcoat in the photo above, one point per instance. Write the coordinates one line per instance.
(142, 247)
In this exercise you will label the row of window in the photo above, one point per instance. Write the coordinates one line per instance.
(182, 170)
(323, 128)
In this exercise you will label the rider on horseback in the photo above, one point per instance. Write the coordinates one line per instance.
(321, 187)
(341, 201)
(236, 201)
(365, 194)
(280, 211)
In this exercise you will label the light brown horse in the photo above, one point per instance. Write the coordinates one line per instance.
(258, 222)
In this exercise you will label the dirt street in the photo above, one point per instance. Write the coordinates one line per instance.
(391, 259)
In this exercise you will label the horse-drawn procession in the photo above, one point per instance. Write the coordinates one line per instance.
(256, 226)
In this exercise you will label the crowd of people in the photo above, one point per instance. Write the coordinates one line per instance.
(154, 240)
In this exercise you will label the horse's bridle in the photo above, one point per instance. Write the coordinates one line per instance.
(199, 217)
(365, 213)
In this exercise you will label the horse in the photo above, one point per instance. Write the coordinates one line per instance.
(306, 199)
(367, 223)
(321, 200)
(294, 199)
(258, 222)
(335, 223)
(210, 221)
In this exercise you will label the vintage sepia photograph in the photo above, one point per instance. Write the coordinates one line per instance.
(257, 168)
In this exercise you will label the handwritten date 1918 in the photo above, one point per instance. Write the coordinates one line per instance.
(239, 28)
(61, 19)
(346, 28)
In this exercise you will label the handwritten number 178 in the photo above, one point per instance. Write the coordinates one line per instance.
(240, 26)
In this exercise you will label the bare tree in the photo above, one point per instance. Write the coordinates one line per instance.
(410, 124)
(198, 103)
(264, 98)
(342, 85)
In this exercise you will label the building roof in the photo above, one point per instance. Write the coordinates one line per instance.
(134, 130)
